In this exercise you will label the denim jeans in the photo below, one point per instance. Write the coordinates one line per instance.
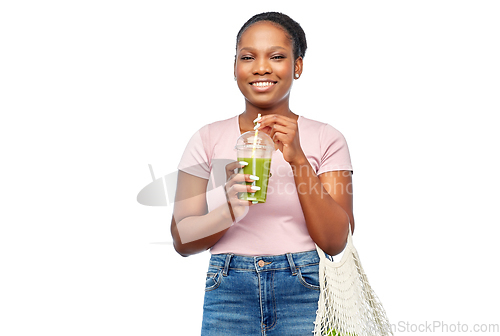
(264, 295)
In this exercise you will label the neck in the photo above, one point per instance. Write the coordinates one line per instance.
(282, 108)
(252, 111)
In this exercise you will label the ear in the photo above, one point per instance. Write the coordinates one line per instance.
(298, 66)
(234, 68)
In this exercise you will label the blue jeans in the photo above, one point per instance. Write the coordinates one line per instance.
(264, 295)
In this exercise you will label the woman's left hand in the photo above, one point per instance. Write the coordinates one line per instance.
(285, 133)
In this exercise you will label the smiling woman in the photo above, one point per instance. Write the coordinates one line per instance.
(262, 278)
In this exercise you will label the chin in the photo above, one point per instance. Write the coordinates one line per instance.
(265, 102)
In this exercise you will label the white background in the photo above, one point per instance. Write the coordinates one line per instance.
(94, 91)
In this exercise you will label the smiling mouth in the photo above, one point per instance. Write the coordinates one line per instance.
(263, 84)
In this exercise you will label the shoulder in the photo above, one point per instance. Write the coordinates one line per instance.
(212, 132)
(326, 144)
(197, 157)
(321, 129)
(223, 124)
(218, 127)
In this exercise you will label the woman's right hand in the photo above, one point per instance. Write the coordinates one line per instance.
(234, 185)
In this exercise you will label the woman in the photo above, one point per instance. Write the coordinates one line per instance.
(263, 273)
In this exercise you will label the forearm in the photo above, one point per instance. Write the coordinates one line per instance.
(195, 234)
(326, 220)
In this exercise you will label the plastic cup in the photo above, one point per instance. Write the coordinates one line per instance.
(257, 151)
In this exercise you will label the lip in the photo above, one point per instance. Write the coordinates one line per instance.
(262, 88)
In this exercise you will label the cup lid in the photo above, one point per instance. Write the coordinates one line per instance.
(247, 139)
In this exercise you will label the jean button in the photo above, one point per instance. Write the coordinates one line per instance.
(261, 263)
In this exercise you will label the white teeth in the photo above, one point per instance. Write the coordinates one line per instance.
(263, 83)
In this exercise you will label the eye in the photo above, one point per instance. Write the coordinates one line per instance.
(278, 57)
(246, 58)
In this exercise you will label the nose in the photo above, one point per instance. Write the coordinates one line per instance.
(262, 67)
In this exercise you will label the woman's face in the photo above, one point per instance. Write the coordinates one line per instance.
(264, 65)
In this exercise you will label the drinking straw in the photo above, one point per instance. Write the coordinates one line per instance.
(255, 138)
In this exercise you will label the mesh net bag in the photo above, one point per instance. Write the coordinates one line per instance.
(347, 305)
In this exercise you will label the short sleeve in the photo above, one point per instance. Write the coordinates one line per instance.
(195, 159)
(334, 151)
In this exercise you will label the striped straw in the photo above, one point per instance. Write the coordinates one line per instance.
(255, 138)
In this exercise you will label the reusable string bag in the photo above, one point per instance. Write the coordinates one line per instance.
(347, 305)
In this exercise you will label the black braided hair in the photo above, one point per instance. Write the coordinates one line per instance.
(293, 30)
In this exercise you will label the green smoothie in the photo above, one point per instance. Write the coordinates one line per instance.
(259, 167)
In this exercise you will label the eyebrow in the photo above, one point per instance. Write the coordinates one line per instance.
(270, 48)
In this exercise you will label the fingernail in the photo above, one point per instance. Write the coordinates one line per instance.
(255, 202)
(255, 188)
(256, 126)
(243, 163)
(257, 119)
(253, 177)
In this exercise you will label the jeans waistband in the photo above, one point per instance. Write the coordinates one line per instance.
(264, 263)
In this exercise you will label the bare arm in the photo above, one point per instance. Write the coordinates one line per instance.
(191, 220)
(327, 205)
(193, 228)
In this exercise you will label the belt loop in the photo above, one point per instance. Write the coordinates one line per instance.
(292, 264)
(226, 265)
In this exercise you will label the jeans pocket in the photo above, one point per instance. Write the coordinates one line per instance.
(214, 278)
(309, 276)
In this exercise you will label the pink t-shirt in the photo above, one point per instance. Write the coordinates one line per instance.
(277, 226)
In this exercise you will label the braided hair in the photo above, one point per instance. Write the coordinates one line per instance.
(292, 29)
